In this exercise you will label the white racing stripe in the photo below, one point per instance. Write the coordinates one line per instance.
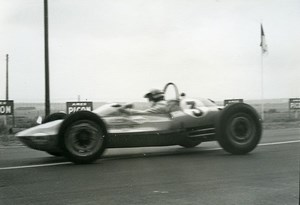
(277, 143)
(65, 163)
(36, 165)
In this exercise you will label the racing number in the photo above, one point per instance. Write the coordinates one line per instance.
(196, 111)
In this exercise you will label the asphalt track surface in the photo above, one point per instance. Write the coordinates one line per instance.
(165, 175)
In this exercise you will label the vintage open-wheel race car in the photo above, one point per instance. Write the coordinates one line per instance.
(83, 136)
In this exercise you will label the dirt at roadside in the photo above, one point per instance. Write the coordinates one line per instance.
(281, 125)
(9, 140)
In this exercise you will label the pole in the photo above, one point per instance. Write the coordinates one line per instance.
(7, 97)
(262, 88)
(47, 89)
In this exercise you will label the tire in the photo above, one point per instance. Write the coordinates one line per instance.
(190, 143)
(82, 137)
(54, 116)
(239, 129)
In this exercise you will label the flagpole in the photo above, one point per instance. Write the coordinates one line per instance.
(262, 87)
(264, 49)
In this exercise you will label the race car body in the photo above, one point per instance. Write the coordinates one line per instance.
(83, 136)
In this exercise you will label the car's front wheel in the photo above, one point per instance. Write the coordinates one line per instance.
(83, 137)
(50, 118)
(54, 116)
(54, 153)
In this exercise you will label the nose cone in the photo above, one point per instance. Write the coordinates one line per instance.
(50, 128)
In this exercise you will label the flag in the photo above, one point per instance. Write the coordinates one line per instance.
(263, 44)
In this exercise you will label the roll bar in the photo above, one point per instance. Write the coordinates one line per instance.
(175, 87)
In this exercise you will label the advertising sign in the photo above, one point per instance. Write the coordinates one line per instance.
(231, 101)
(6, 107)
(294, 103)
(78, 106)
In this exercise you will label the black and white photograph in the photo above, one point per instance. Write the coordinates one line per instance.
(162, 102)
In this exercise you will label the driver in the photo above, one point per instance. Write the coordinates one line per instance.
(158, 103)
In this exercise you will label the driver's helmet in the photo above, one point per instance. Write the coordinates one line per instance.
(155, 95)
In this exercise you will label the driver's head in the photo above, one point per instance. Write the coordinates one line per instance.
(155, 95)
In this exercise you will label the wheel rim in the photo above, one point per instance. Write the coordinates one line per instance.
(84, 138)
(241, 129)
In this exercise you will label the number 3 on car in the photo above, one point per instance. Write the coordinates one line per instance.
(193, 108)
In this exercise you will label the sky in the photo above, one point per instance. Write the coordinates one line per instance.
(116, 50)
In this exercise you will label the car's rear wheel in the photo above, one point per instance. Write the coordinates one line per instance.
(239, 129)
(190, 143)
(82, 137)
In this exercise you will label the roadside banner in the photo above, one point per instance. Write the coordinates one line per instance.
(294, 106)
(78, 106)
(231, 101)
(6, 107)
(294, 103)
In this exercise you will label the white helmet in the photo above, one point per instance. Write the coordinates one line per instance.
(155, 95)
